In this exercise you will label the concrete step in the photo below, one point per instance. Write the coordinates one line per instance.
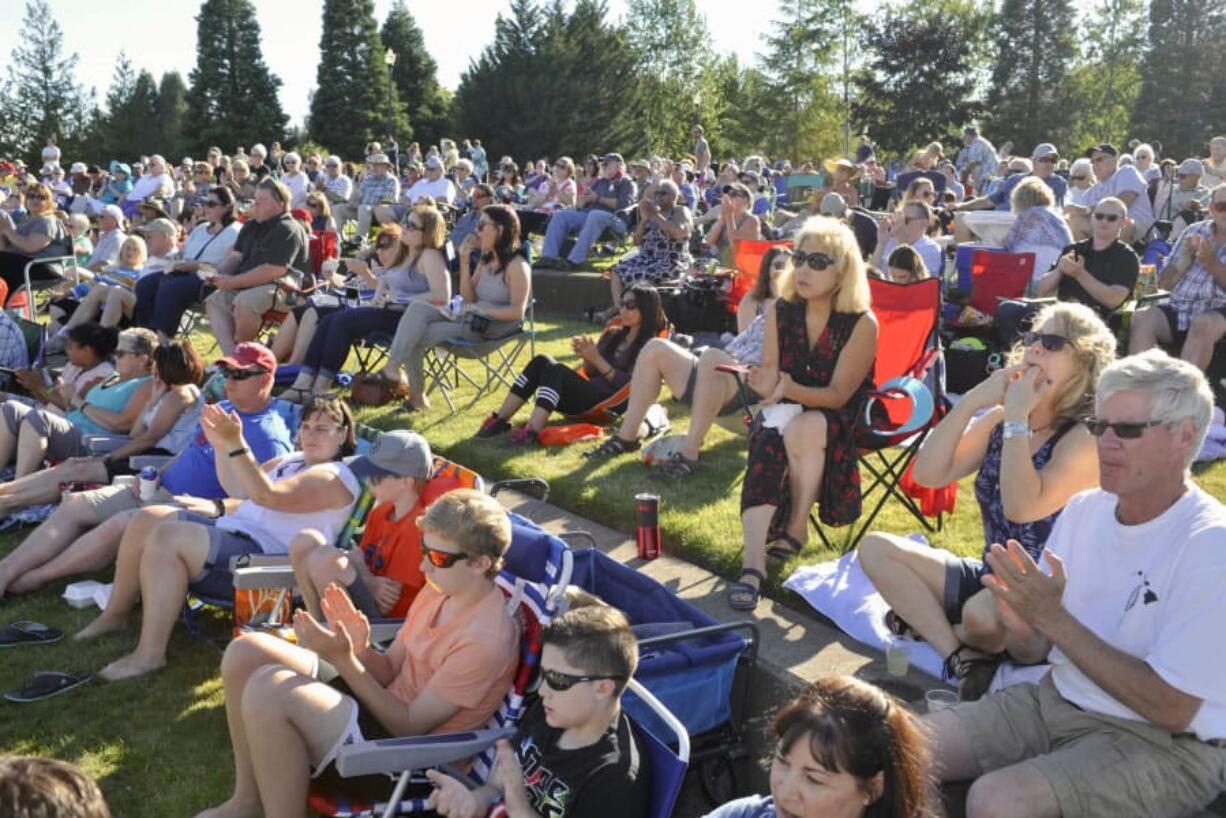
(569, 294)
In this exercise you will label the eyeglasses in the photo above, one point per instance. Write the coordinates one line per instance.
(242, 374)
(1050, 341)
(1218, 207)
(1123, 430)
(1107, 217)
(119, 353)
(562, 682)
(1078, 178)
(440, 559)
(817, 261)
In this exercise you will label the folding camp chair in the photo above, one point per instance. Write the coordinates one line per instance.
(537, 569)
(29, 288)
(498, 358)
(993, 275)
(803, 185)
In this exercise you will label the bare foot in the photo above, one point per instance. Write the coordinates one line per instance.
(233, 809)
(103, 624)
(129, 667)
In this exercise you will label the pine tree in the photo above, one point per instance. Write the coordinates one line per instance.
(352, 104)
(1035, 48)
(43, 96)
(171, 110)
(233, 96)
(415, 77)
(919, 82)
(1183, 101)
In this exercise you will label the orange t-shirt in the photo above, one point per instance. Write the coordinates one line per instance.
(392, 548)
(469, 662)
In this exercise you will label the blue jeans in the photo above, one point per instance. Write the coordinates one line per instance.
(161, 301)
(589, 223)
(335, 333)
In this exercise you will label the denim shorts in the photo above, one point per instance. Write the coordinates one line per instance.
(215, 578)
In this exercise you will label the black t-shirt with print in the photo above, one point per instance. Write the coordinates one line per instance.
(279, 241)
(607, 779)
(1114, 265)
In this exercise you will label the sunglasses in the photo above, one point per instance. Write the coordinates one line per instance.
(35, 197)
(1078, 178)
(440, 559)
(413, 226)
(629, 304)
(1047, 160)
(817, 261)
(383, 244)
(1124, 431)
(1050, 341)
(242, 374)
(1107, 217)
(561, 682)
(212, 203)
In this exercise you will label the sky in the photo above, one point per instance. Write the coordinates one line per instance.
(161, 36)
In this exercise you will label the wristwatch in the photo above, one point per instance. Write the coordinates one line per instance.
(1017, 428)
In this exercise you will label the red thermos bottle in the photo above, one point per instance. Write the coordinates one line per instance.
(647, 508)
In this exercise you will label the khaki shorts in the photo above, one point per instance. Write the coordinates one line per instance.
(253, 300)
(111, 501)
(1095, 764)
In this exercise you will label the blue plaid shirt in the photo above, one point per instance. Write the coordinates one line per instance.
(378, 189)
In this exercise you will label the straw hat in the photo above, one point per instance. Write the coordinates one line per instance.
(832, 165)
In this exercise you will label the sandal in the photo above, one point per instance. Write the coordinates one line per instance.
(898, 626)
(674, 468)
(45, 684)
(973, 670)
(295, 395)
(29, 633)
(785, 547)
(741, 595)
(612, 447)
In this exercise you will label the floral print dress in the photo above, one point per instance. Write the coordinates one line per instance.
(766, 476)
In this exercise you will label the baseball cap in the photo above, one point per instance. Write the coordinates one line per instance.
(1044, 149)
(249, 354)
(395, 454)
(1105, 147)
(1191, 167)
(161, 226)
(433, 163)
(77, 167)
(832, 205)
(612, 157)
(113, 211)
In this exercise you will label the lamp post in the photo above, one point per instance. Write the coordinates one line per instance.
(389, 59)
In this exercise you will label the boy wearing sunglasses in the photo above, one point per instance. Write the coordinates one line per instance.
(575, 755)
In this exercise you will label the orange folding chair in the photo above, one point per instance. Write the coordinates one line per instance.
(996, 276)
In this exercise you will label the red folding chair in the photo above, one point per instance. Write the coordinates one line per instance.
(996, 276)
(748, 260)
(324, 245)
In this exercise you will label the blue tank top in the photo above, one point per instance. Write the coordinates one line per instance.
(996, 527)
(112, 396)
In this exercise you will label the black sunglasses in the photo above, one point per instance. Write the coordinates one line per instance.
(818, 261)
(629, 304)
(1124, 431)
(1107, 217)
(242, 374)
(440, 559)
(562, 682)
(1050, 341)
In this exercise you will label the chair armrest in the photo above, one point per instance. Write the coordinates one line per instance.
(105, 444)
(264, 576)
(138, 461)
(393, 755)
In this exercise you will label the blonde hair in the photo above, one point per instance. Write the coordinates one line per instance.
(1031, 192)
(472, 520)
(134, 244)
(1092, 343)
(79, 221)
(836, 240)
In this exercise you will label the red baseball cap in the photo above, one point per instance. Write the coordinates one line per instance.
(250, 354)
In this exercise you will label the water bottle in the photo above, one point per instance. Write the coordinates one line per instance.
(148, 484)
(647, 510)
(456, 304)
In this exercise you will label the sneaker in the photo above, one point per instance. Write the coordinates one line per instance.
(523, 436)
(493, 425)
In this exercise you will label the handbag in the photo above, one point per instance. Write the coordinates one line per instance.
(372, 389)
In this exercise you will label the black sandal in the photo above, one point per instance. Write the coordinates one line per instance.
(785, 547)
(675, 467)
(741, 595)
(612, 447)
(973, 672)
(898, 626)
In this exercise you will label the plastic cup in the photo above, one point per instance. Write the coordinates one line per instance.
(897, 658)
(940, 699)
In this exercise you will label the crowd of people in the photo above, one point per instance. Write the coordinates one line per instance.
(1101, 555)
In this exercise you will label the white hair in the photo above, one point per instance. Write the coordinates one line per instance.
(292, 157)
(1177, 390)
(1143, 148)
(79, 221)
(1081, 164)
(258, 150)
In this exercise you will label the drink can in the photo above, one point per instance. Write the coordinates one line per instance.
(647, 509)
(148, 483)
(457, 304)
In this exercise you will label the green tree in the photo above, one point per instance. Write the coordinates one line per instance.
(353, 103)
(1034, 50)
(802, 110)
(1182, 99)
(129, 127)
(171, 110)
(415, 77)
(42, 95)
(919, 81)
(233, 95)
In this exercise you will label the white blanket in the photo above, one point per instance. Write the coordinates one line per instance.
(842, 592)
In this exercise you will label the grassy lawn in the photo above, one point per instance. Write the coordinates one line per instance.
(159, 745)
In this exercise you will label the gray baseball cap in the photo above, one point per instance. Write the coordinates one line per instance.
(395, 454)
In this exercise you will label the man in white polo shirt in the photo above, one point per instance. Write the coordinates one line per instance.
(1131, 719)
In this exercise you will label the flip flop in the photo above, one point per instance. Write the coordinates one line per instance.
(29, 633)
(785, 547)
(45, 684)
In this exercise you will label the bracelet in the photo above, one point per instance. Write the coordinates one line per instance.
(239, 451)
(220, 506)
(1016, 428)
